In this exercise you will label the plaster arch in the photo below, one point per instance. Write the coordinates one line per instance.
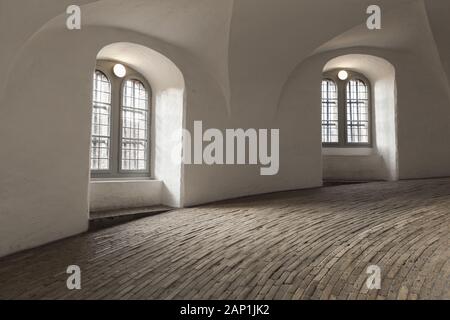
(54, 68)
(382, 159)
(298, 111)
(198, 29)
(167, 112)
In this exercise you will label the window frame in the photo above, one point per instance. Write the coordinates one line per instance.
(111, 124)
(117, 85)
(139, 78)
(337, 106)
(342, 109)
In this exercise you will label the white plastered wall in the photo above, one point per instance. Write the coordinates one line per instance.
(45, 195)
(244, 65)
(48, 88)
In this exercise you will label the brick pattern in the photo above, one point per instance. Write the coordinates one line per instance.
(311, 244)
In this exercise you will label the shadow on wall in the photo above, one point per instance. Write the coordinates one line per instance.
(380, 162)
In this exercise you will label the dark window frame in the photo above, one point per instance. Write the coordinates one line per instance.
(109, 170)
(146, 171)
(342, 109)
(329, 127)
(117, 84)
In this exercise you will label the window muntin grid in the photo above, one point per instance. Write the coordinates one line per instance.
(330, 118)
(101, 123)
(357, 112)
(134, 127)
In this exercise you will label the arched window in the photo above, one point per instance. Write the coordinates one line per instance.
(134, 126)
(120, 124)
(357, 111)
(346, 110)
(330, 119)
(101, 123)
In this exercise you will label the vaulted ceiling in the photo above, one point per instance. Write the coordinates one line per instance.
(240, 40)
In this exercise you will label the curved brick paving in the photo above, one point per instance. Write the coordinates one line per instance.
(312, 244)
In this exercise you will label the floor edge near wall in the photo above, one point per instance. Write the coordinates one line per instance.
(108, 218)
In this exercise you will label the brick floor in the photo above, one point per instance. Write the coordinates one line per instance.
(311, 244)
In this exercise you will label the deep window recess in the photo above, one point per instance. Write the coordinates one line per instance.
(120, 137)
(346, 111)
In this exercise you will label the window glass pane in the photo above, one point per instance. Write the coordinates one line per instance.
(357, 106)
(134, 126)
(101, 123)
(330, 125)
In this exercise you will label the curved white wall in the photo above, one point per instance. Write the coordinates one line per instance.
(46, 160)
(244, 64)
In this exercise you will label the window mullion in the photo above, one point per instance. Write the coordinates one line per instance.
(342, 113)
(116, 126)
